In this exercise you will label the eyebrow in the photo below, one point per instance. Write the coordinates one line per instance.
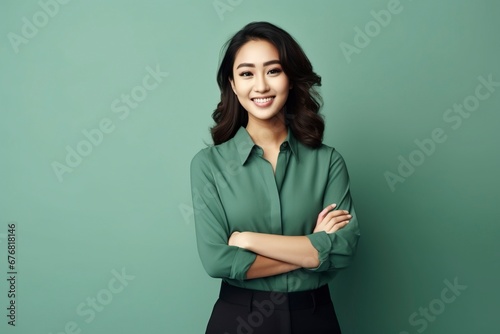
(267, 63)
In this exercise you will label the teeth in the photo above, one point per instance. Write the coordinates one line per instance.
(263, 100)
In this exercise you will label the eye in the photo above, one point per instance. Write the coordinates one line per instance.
(245, 74)
(275, 71)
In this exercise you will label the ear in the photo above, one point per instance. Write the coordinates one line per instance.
(232, 85)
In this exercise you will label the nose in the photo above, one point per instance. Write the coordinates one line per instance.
(260, 84)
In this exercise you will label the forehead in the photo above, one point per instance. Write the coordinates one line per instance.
(256, 52)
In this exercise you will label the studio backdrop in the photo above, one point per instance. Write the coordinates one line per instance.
(104, 103)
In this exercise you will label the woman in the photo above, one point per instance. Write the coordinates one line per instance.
(273, 212)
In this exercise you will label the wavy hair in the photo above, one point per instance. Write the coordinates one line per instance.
(303, 102)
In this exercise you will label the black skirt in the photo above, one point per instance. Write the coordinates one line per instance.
(245, 311)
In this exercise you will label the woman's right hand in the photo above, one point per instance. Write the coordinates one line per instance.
(331, 221)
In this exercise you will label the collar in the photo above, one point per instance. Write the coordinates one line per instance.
(244, 143)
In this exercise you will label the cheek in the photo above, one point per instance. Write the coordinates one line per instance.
(285, 85)
(240, 87)
(285, 90)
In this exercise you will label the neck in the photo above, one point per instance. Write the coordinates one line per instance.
(267, 133)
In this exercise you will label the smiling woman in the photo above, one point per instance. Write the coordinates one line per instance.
(303, 102)
(261, 88)
(269, 230)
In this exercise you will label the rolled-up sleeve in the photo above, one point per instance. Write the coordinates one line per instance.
(212, 229)
(336, 250)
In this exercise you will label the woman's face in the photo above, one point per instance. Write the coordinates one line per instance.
(259, 81)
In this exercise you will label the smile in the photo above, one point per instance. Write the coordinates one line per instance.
(263, 102)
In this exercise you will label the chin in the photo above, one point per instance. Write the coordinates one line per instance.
(264, 116)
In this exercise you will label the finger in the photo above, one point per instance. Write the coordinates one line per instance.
(332, 223)
(334, 227)
(336, 213)
(340, 225)
(325, 211)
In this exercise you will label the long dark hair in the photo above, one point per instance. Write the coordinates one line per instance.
(303, 103)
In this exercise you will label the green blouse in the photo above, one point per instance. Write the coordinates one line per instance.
(235, 189)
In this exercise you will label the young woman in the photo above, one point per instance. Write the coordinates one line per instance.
(273, 211)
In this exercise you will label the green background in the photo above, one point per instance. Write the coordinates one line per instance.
(127, 205)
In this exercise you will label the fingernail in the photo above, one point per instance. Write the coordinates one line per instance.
(333, 205)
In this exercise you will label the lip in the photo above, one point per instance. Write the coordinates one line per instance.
(263, 104)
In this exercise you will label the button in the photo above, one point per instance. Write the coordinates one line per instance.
(259, 150)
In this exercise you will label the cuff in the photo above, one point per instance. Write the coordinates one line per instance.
(323, 244)
(241, 263)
